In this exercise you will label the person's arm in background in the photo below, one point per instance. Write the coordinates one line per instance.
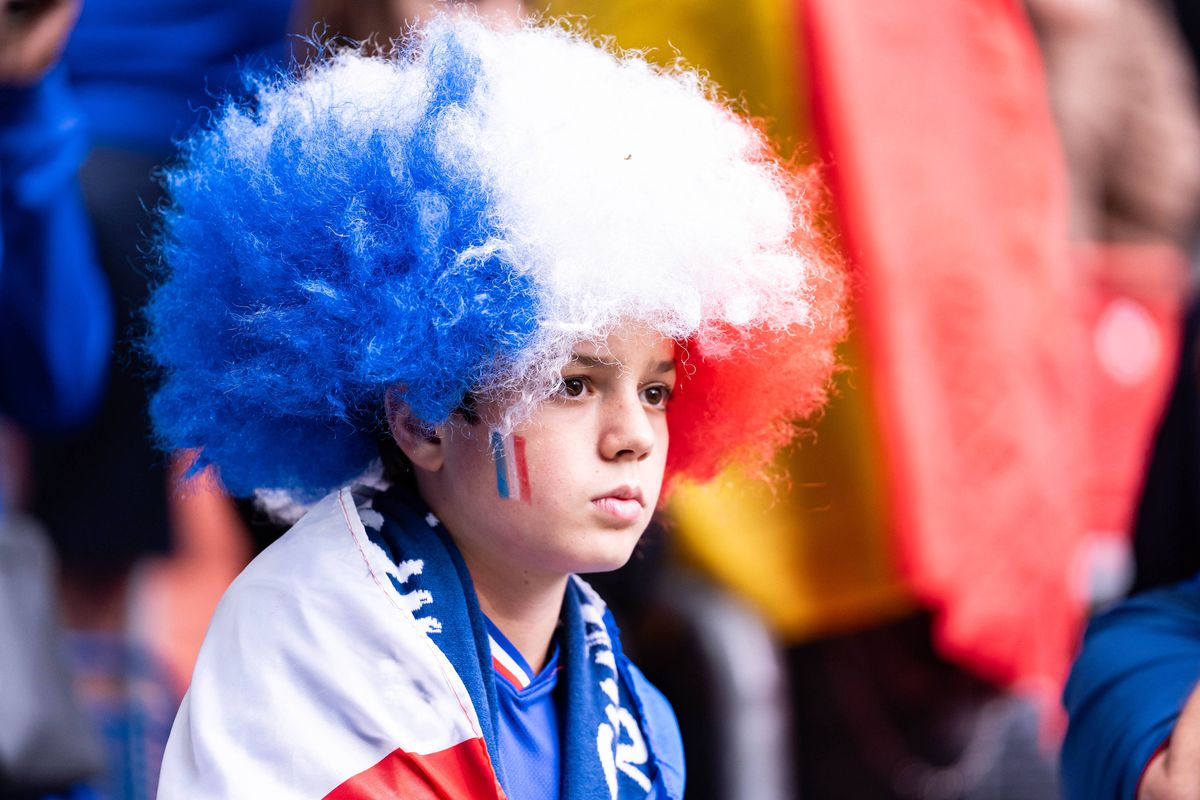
(1174, 772)
(1139, 664)
(55, 317)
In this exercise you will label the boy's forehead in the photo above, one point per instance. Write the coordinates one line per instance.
(627, 345)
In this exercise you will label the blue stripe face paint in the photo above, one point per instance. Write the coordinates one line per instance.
(501, 466)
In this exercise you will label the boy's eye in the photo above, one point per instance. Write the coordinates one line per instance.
(656, 395)
(572, 387)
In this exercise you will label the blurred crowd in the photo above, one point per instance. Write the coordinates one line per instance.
(1013, 445)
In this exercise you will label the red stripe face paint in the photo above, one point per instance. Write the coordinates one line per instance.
(522, 468)
(512, 473)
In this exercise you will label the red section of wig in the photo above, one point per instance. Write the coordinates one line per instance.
(740, 400)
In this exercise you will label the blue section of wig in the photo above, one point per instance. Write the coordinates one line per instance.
(304, 278)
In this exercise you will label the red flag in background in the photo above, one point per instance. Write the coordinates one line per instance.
(950, 189)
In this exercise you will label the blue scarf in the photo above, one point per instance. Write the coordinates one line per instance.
(606, 751)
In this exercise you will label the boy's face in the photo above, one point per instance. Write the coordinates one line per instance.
(573, 488)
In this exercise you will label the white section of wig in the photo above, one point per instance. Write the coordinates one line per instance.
(630, 195)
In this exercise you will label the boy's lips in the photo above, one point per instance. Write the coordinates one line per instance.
(625, 503)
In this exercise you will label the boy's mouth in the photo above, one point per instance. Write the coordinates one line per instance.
(624, 503)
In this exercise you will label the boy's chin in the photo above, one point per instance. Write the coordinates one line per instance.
(604, 566)
(607, 559)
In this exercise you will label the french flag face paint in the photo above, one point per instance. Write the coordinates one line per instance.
(512, 473)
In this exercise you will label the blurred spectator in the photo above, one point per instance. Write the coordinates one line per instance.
(141, 74)
(1133, 731)
(1125, 95)
(32, 35)
(1139, 661)
(54, 337)
(54, 315)
(1123, 92)
(379, 21)
(1166, 547)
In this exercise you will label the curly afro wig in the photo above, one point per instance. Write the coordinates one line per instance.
(450, 220)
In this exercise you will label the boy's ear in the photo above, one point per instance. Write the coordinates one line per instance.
(423, 447)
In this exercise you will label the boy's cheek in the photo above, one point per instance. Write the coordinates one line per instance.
(552, 478)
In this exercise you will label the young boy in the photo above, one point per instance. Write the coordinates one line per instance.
(513, 264)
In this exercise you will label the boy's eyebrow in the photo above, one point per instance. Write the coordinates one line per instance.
(592, 362)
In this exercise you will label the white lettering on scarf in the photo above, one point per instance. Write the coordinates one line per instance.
(619, 741)
(413, 601)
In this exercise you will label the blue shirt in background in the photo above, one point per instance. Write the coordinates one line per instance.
(143, 70)
(55, 317)
(1138, 665)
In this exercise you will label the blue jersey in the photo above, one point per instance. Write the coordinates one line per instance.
(529, 733)
(530, 729)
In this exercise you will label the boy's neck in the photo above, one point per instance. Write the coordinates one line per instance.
(525, 609)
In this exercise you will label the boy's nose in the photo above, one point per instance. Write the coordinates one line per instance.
(627, 432)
